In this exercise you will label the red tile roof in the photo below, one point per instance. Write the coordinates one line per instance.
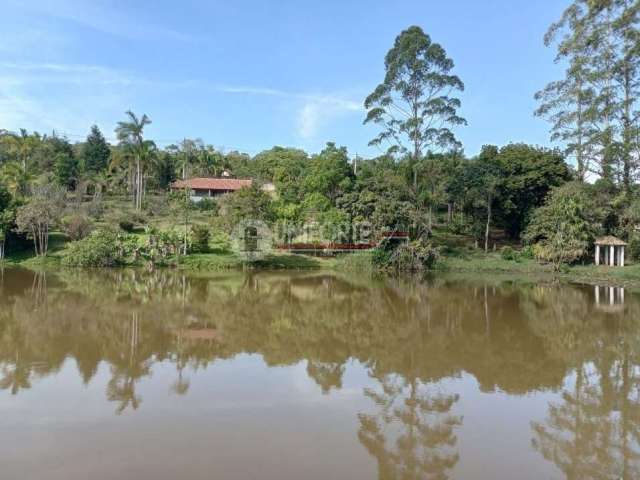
(211, 184)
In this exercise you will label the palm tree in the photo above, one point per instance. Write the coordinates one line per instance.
(17, 178)
(22, 146)
(130, 135)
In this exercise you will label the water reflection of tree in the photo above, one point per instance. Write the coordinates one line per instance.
(409, 335)
(591, 434)
(391, 326)
(594, 431)
(326, 374)
(412, 435)
(127, 368)
(15, 377)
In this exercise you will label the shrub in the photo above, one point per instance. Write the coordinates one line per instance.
(508, 253)
(138, 218)
(208, 205)
(127, 221)
(102, 248)
(414, 256)
(126, 225)
(200, 235)
(564, 227)
(634, 248)
(220, 242)
(527, 252)
(458, 226)
(160, 245)
(76, 227)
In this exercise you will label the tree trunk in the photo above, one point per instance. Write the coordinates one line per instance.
(607, 150)
(35, 239)
(136, 190)
(139, 186)
(627, 131)
(580, 160)
(486, 231)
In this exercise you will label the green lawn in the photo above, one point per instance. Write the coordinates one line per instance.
(457, 255)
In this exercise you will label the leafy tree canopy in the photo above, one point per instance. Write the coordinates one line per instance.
(413, 105)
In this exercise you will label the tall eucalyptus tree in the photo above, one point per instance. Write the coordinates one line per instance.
(415, 107)
(413, 104)
(566, 102)
(593, 109)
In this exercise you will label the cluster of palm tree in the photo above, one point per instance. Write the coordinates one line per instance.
(133, 166)
(130, 135)
(20, 147)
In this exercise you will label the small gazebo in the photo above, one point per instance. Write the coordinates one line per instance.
(610, 251)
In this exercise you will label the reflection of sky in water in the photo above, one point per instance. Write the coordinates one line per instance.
(241, 418)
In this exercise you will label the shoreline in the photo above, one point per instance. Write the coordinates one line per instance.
(476, 265)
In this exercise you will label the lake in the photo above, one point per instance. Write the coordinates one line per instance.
(313, 375)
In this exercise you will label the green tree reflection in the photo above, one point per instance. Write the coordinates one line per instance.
(412, 436)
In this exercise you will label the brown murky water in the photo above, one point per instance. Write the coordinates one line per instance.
(131, 375)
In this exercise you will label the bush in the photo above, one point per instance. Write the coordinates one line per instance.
(208, 205)
(138, 218)
(527, 252)
(458, 226)
(634, 248)
(415, 256)
(126, 225)
(102, 248)
(161, 245)
(127, 221)
(220, 243)
(120, 220)
(200, 235)
(508, 253)
(563, 229)
(76, 227)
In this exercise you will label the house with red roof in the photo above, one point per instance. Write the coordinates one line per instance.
(202, 187)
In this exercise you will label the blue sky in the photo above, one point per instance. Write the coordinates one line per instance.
(250, 74)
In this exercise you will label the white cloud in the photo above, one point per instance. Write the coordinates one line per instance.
(96, 16)
(67, 98)
(77, 92)
(318, 110)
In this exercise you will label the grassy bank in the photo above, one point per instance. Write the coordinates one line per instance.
(494, 264)
(454, 258)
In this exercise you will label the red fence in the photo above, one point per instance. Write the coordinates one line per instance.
(326, 246)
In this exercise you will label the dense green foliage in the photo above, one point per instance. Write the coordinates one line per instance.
(102, 248)
(76, 227)
(412, 104)
(200, 236)
(423, 185)
(95, 152)
(565, 226)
